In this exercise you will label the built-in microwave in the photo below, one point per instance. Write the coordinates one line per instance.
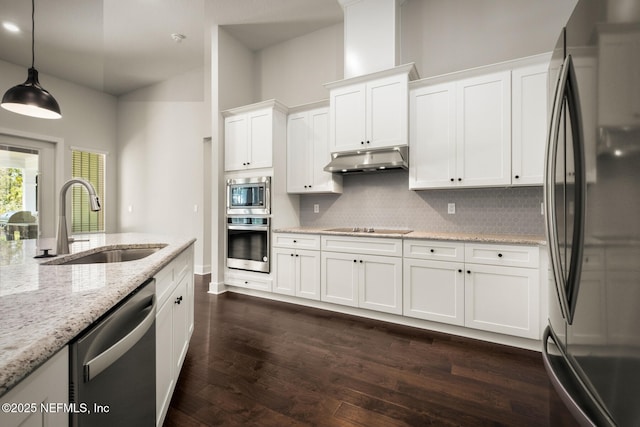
(249, 196)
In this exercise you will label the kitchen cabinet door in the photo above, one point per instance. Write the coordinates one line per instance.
(387, 103)
(308, 153)
(308, 274)
(503, 300)
(339, 278)
(347, 109)
(433, 136)
(380, 283)
(483, 130)
(434, 290)
(529, 120)
(284, 271)
(260, 139)
(235, 143)
(49, 384)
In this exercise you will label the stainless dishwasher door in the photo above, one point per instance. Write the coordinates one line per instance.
(113, 366)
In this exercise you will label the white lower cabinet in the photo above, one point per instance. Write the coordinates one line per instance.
(297, 272)
(491, 287)
(47, 385)
(434, 290)
(174, 325)
(502, 299)
(360, 279)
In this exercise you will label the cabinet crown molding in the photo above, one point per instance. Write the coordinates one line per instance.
(271, 103)
(409, 69)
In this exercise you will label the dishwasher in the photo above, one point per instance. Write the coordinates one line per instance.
(113, 366)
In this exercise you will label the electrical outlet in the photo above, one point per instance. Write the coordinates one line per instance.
(316, 208)
(451, 208)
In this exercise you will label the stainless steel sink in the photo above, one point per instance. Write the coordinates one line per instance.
(108, 255)
(367, 230)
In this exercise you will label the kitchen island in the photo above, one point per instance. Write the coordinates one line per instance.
(43, 307)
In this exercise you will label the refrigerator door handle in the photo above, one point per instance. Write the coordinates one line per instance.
(566, 89)
(549, 187)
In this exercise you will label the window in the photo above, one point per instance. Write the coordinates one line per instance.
(89, 166)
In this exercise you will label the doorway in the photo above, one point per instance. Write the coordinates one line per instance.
(27, 188)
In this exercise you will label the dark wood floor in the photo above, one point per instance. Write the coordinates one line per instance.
(254, 362)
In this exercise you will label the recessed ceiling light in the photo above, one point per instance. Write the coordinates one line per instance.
(11, 27)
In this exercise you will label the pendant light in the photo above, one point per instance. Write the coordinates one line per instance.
(30, 98)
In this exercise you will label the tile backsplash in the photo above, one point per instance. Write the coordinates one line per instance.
(384, 200)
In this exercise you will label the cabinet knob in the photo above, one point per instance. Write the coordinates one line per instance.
(295, 241)
(291, 254)
(468, 271)
(460, 270)
(452, 179)
(305, 186)
(362, 142)
(355, 260)
(432, 250)
(244, 163)
(459, 179)
(248, 163)
(368, 142)
(517, 176)
(499, 255)
(178, 300)
(296, 254)
(360, 261)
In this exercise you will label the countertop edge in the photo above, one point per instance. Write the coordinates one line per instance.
(515, 239)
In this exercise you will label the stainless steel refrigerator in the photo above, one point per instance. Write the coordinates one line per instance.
(591, 347)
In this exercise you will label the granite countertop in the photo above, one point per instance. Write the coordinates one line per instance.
(518, 239)
(43, 307)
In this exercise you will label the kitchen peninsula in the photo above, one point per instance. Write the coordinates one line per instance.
(45, 306)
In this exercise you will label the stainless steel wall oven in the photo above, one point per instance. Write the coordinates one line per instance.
(248, 243)
(249, 196)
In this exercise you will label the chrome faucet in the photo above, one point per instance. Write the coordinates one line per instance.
(63, 240)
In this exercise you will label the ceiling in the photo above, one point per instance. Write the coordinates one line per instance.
(117, 46)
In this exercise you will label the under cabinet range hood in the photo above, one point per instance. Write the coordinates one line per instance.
(369, 160)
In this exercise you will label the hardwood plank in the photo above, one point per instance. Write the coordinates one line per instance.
(265, 363)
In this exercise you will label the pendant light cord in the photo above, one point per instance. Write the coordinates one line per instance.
(33, 33)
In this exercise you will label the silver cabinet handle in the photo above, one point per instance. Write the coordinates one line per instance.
(105, 359)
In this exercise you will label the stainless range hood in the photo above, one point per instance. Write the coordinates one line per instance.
(369, 160)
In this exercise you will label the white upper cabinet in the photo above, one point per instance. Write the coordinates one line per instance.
(619, 79)
(529, 124)
(480, 128)
(308, 153)
(249, 133)
(370, 111)
(461, 133)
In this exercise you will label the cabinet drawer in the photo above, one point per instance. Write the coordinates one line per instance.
(164, 283)
(506, 255)
(433, 249)
(362, 245)
(248, 281)
(296, 241)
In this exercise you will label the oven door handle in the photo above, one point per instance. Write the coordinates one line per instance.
(248, 227)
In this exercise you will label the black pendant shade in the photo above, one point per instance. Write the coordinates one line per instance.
(29, 98)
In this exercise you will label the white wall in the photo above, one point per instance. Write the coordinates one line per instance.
(442, 36)
(88, 121)
(161, 131)
(293, 72)
(236, 67)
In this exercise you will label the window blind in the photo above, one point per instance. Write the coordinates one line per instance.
(89, 166)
